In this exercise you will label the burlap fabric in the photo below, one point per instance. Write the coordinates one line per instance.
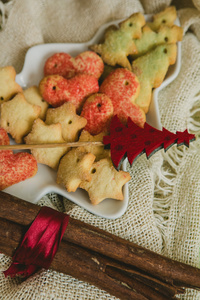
(163, 212)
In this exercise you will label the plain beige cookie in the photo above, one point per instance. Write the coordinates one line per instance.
(41, 134)
(33, 96)
(17, 116)
(74, 167)
(71, 123)
(106, 182)
(8, 86)
(98, 151)
(164, 17)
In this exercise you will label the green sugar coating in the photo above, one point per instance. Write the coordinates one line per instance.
(150, 39)
(118, 42)
(151, 69)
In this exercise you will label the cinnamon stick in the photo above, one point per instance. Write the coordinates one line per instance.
(95, 239)
(137, 285)
(73, 260)
(165, 288)
(86, 265)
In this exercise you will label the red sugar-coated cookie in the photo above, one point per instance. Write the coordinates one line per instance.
(14, 167)
(130, 110)
(4, 140)
(98, 111)
(90, 63)
(63, 64)
(122, 87)
(57, 90)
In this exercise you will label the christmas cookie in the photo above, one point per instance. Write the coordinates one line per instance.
(57, 90)
(89, 62)
(118, 41)
(44, 134)
(32, 95)
(63, 64)
(150, 39)
(71, 123)
(164, 17)
(98, 111)
(14, 167)
(98, 151)
(151, 69)
(106, 182)
(4, 140)
(122, 87)
(8, 86)
(73, 168)
(17, 116)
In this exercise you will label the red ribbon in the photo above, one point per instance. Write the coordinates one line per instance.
(40, 243)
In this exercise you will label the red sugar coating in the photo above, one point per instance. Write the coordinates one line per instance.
(57, 90)
(130, 110)
(122, 87)
(98, 111)
(14, 167)
(90, 63)
(17, 167)
(4, 139)
(80, 87)
(65, 65)
(52, 89)
(4, 155)
(61, 64)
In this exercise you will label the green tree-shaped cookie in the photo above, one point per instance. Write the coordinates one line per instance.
(118, 42)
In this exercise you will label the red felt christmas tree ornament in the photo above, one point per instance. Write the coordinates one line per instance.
(131, 141)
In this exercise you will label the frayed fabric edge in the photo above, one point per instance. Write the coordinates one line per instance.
(166, 176)
(164, 185)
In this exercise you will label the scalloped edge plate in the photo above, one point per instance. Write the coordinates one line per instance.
(44, 181)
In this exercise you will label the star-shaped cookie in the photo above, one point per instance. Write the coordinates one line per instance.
(8, 86)
(71, 123)
(106, 182)
(17, 116)
(33, 96)
(41, 134)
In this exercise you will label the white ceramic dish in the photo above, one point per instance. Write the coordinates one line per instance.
(44, 181)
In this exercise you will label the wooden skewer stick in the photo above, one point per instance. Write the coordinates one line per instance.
(53, 145)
